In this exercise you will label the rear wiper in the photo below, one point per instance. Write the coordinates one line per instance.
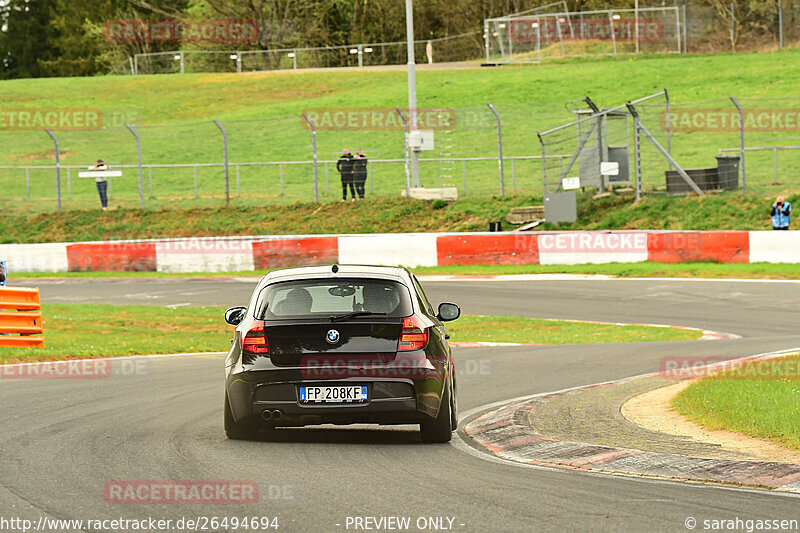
(355, 314)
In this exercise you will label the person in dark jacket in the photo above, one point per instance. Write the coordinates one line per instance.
(2, 272)
(360, 172)
(345, 168)
(781, 214)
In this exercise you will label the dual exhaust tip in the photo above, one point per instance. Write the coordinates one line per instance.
(275, 414)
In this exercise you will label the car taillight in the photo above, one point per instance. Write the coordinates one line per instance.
(255, 340)
(414, 335)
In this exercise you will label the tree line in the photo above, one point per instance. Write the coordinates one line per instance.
(40, 38)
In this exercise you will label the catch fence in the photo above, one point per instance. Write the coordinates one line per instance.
(270, 159)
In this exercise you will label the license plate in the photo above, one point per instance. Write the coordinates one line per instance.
(334, 394)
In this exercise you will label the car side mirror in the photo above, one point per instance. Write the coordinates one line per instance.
(235, 315)
(448, 312)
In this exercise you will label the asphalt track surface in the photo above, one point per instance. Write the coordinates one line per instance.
(63, 440)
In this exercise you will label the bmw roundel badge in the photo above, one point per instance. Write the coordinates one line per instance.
(332, 336)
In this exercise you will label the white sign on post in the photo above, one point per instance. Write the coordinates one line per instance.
(421, 140)
(609, 168)
(569, 184)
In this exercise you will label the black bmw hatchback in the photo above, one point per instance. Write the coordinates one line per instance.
(340, 345)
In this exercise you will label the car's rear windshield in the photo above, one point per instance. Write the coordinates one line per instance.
(331, 297)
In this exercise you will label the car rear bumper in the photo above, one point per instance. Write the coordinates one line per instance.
(391, 401)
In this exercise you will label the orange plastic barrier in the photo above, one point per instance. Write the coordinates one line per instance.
(20, 313)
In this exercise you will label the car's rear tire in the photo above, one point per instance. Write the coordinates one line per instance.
(235, 430)
(439, 429)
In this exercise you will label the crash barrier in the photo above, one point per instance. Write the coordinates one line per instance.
(20, 318)
(242, 254)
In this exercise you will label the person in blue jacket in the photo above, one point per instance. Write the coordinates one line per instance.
(781, 214)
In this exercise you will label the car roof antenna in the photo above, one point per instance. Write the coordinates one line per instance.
(335, 269)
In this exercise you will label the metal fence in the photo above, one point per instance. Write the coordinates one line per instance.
(266, 182)
(463, 47)
(270, 159)
(536, 35)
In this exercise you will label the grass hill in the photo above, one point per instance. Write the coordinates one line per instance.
(173, 114)
(727, 211)
(261, 113)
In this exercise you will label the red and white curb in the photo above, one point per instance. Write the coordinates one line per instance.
(503, 432)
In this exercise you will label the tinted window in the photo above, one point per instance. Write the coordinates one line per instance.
(326, 297)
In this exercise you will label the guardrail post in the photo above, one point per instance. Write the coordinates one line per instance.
(238, 187)
(775, 162)
(225, 156)
(654, 142)
(544, 165)
(499, 149)
(314, 155)
(637, 157)
(405, 148)
(669, 124)
(58, 170)
(741, 143)
(139, 165)
(514, 174)
(28, 181)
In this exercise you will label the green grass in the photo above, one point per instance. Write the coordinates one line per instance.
(541, 331)
(630, 270)
(729, 211)
(261, 113)
(760, 399)
(84, 330)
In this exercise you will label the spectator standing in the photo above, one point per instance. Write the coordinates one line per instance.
(345, 168)
(102, 183)
(360, 172)
(2, 272)
(781, 214)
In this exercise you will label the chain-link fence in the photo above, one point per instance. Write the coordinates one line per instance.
(553, 32)
(536, 36)
(464, 47)
(599, 136)
(270, 158)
